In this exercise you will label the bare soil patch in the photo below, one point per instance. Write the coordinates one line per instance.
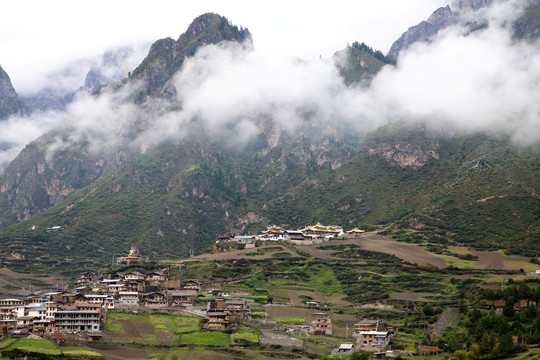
(296, 300)
(407, 252)
(495, 260)
(410, 296)
(245, 253)
(14, 283)
(449, 318)
(284, 311)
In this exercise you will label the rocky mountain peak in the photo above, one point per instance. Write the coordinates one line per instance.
(459, 12)
(115, 64)
(212, 28)
(166, 56)
(423, 32)
(10, 103)
(441, 17)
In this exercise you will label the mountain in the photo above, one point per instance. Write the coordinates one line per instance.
(166, 56)
(115, 65)
(10, 102)
(423, 32)
(467, 14)
(85, 76)
(33, 181)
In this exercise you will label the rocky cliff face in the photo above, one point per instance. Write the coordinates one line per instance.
(411, 149)
(462, 12)
(471, 5)
(166, 56)
(527, 26)
(115, 65)
(423, 32)
(10, 103)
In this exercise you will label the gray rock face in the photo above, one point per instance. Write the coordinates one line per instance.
(471, 5)
(10, 103)
(423, 32)
(166, 56)
(460, 11)
(114, 66)
(527, 25)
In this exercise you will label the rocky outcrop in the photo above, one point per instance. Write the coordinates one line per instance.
(10, 103)
(406, 147)
(527, 25)
(114, 65)
(404, 154)
(471, 5)
(166, 56)
(423, 32)
(460, 12)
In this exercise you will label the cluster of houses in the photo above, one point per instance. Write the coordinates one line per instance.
(372, 335)
(45, 316)
(308, 235)
(83, 309)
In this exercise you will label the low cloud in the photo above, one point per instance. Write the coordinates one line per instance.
(484, 82)
(66, 78)
(104, 123)
(481, 82)
(231, 89)
(16, 132)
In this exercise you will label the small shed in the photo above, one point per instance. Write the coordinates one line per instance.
(346, 348)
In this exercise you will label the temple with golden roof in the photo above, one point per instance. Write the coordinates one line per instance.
(355, 232)
(274, 230)
(320, 229)
(132, 257)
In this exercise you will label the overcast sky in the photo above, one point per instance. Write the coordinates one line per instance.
(39, 36)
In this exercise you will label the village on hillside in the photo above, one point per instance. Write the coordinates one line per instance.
(80, 312)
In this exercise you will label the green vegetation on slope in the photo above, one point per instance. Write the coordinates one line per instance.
(473, 190)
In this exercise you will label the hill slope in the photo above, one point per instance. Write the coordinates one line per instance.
(472, 190)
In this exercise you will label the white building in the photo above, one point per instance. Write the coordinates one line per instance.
(128, 298)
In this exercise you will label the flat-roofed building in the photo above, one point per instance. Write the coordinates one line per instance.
(73, 320)
(320, 324)
(374, 339)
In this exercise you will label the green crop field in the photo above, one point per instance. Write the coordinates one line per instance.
(210, 338)
(6, 342)
(245, 335)
(37, 345)
(79, 351)
(291, 320)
